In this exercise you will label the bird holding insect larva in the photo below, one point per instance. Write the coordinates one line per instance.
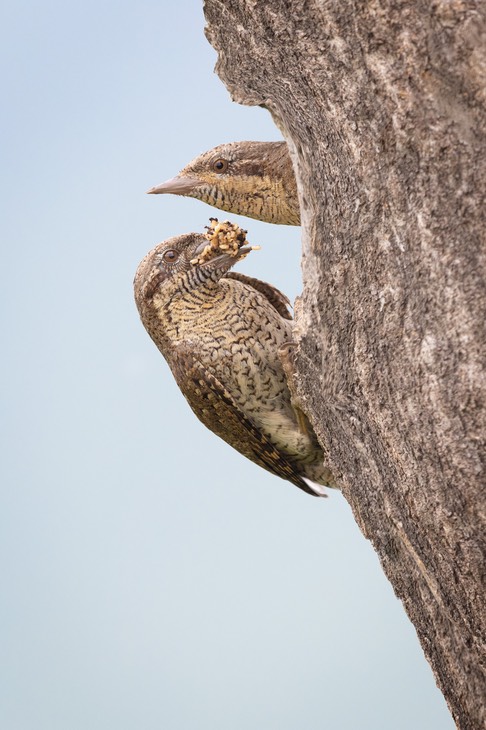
(225, 337)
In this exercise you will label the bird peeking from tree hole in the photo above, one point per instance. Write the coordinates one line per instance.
(227, 339)
(254, 179)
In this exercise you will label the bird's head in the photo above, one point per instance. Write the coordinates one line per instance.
(188, 262)
(255, 179)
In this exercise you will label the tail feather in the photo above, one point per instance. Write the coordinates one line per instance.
(318, 489)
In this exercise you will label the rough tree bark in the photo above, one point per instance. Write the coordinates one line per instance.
(383, 104)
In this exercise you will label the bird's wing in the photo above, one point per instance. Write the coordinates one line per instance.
(276, 298)
(216, 408)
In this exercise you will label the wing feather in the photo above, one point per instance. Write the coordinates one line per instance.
(276, 298)
(217, 410)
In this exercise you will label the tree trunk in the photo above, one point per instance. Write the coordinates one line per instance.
(383, 106)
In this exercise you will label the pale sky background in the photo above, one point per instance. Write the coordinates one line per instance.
(151, 576)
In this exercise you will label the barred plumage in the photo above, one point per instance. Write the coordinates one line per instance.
(223, 336)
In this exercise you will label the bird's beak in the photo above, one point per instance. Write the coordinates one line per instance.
(176, 185)
(204, 244)
(225, 261)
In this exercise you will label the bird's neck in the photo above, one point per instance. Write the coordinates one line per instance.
(189, 311)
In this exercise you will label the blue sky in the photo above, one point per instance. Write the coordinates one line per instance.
(151, 576)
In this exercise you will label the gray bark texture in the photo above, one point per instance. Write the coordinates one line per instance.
(383, 105)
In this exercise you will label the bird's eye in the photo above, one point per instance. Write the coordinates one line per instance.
(171, 256)
(220, 165)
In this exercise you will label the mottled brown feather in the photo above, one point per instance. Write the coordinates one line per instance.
(216, 409)
(276, 298)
